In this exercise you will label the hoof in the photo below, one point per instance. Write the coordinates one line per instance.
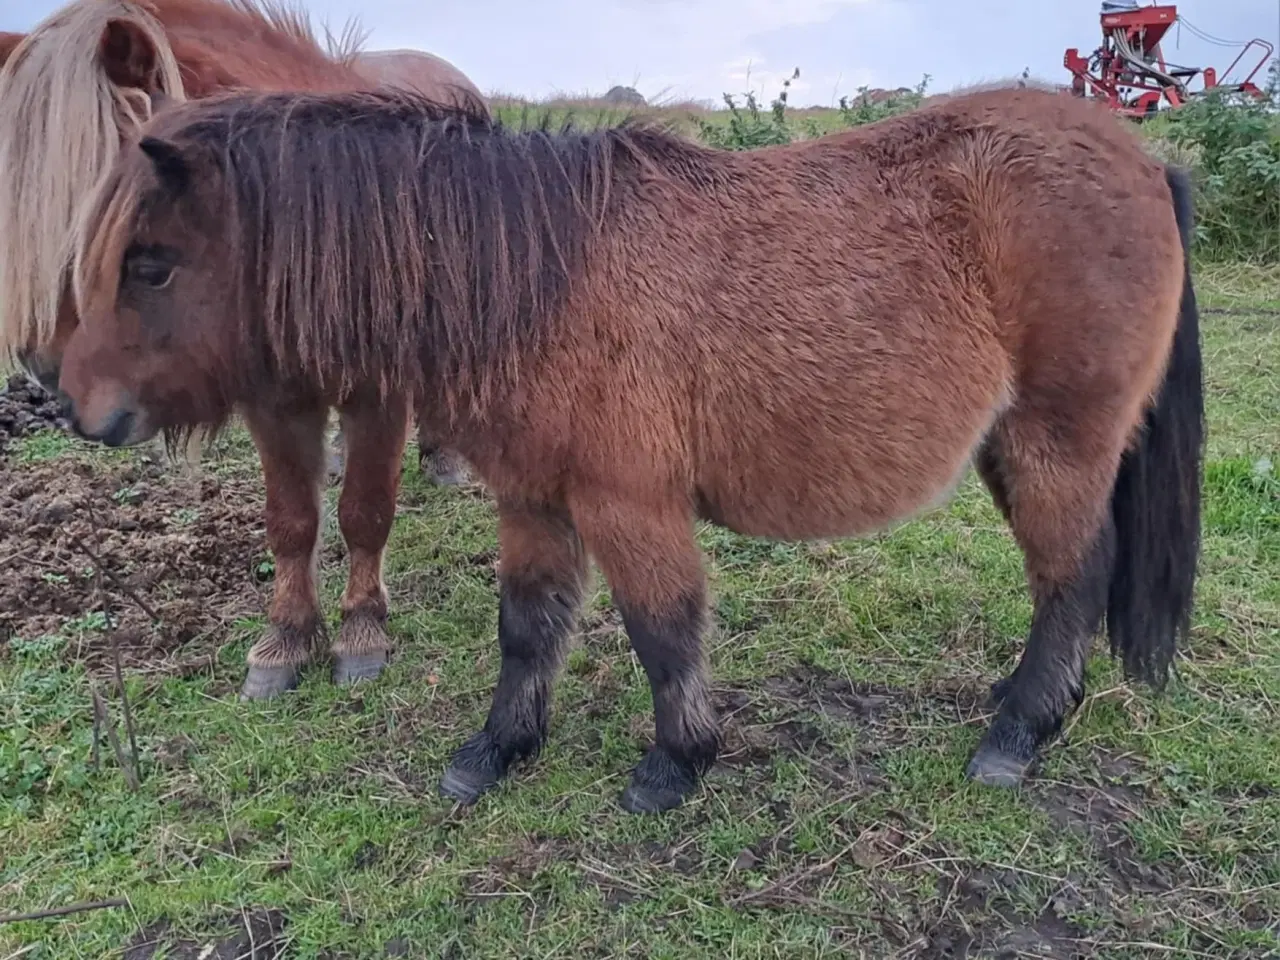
(357, 667)
(336, 462)
(263, 683)
(465, 786)
(444, 468)
(659, 783)
(641, 799)
(362, 650)
(994, 768)
(335, 466)
(478, 766)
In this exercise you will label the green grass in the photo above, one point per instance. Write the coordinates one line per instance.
(838, 824)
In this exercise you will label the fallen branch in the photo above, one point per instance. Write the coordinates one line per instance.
(100, 708)
(132, 768)
(63, 911)
(97, 740)
(781, 886)
(115, 581)
(124, 703)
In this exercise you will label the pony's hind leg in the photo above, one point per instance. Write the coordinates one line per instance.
(291, 449)
(651, 560)
(1058, 506)
(990, 469)
(375, 431)
(541, 575)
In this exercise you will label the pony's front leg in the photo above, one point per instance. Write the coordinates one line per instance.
(374, 432)
(291, 449)
(541, 575)
(650, 558)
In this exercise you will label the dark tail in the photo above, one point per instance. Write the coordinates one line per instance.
(1156, 501)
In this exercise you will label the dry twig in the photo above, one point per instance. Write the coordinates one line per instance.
(62, 911)
(100, 709)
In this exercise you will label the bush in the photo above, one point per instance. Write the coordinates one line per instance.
(863, 109)
(748, 127)
(1230, 142)
(1233, 143)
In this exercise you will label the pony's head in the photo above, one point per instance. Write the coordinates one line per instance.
(76, 88)
(153, 346)
(306, 244)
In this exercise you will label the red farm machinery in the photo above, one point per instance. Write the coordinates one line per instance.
(1129, 70)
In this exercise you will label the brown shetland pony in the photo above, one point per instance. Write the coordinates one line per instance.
(1000, 277)
(79, 85)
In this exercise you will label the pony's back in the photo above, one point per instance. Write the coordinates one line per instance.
(420, 72)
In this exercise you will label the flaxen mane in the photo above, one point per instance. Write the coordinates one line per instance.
(374, 219)
(294, 22)
(54, 92)
(62, 120)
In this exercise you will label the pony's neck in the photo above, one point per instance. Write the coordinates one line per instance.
(8, 43)
(224, 45)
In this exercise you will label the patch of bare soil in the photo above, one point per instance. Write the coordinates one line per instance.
(972, 914)
(1098, 809)
(24, 409)
(171, 558)
(254, 935)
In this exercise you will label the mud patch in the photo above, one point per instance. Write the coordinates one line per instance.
(1098, 809)
(25, 409)
(180, 558)
(252, 935)
(787, 714)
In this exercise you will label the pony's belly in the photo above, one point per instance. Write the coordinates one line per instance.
(839, 491)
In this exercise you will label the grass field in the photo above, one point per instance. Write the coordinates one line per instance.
(852, 677)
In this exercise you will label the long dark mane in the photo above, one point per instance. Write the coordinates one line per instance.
(363, 220)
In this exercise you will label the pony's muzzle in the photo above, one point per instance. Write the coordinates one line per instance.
(114, 432)
(120, 425)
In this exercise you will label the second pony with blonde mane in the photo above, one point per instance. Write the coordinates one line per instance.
(72, 92)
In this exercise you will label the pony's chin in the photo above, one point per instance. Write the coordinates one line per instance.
(141, 430)
(145, 432)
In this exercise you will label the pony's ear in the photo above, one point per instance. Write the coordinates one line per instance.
(8, 43)
(128, 56)
(171, 166)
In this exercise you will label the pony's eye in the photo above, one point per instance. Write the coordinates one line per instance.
(151, 273)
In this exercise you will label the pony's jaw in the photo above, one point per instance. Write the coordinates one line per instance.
(40, 371)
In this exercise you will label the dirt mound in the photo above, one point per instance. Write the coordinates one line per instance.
(24, 409)
(625, 96)
(190, 550)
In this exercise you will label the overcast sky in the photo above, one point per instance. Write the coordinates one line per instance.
(704, 48)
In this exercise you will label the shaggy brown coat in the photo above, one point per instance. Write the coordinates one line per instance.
(624, 331)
